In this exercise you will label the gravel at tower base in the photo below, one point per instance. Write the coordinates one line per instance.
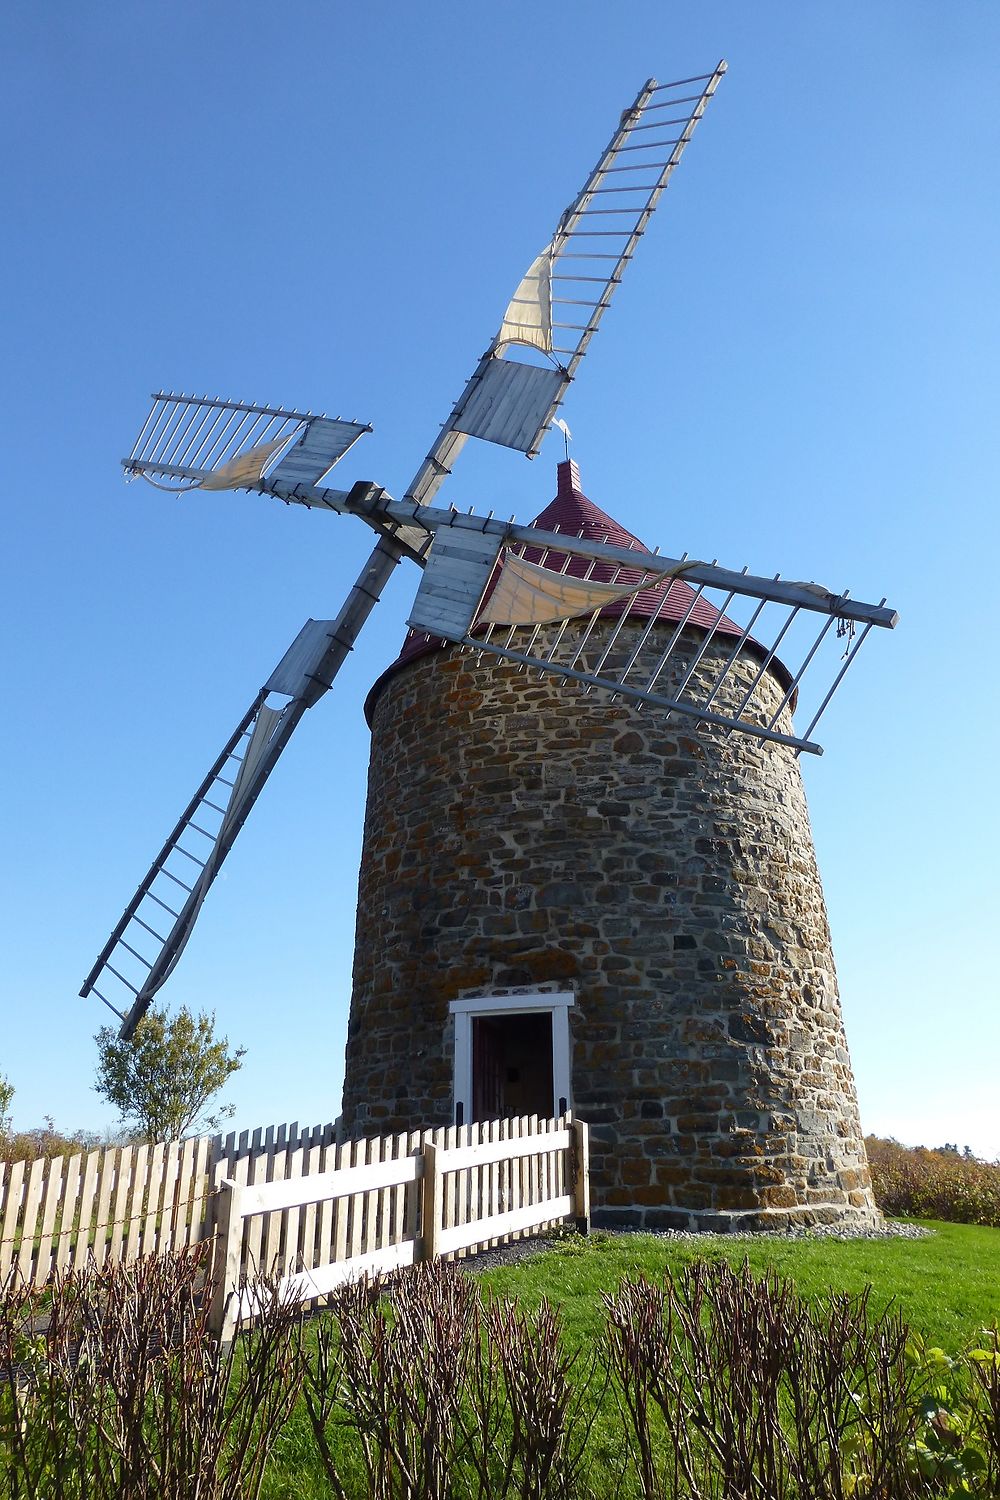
(524, 838)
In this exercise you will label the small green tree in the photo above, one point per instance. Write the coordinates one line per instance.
(6, 1096)
(162, 1080)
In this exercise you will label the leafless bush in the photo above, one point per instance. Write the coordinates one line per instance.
(542, 1388)
(111, 1386)
(442, 1394)
(390, 1367)
(733, 1388)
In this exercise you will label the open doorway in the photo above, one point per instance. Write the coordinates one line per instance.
(512, 1065)
(511, 1056)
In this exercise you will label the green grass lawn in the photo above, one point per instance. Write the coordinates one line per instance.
(947, 1286)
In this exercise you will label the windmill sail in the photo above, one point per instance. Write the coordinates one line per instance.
(527, 594)
(140, 955)
(556, 310)
(246, 470)
(559, 303)
(528, 319)
(203, 443)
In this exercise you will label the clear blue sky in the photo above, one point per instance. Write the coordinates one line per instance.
(328, 205)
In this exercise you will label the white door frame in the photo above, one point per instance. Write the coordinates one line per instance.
(557, 1003)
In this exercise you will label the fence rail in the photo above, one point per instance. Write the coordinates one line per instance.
(387, 1203)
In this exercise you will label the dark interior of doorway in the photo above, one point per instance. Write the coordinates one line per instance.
(512, 1065)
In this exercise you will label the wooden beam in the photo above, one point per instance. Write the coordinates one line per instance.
(491, 1151)
(503, 1224)
(580, 1161)
(270, 1197)
(223, 1308)
(430, 1219)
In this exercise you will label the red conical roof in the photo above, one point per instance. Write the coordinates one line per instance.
(571, 512)
(574, 515)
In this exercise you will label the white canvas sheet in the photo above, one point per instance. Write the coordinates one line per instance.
(529, 595)
(264, 726)
(245, 470)
(528, 319)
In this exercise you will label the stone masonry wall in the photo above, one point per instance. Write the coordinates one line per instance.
(519, 833)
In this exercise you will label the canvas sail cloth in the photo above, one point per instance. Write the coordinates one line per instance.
(268, 720)
(527, 594)
(528, 319)
(246, 469)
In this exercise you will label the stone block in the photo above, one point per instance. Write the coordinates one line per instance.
(616, 1218)
(666, 1218)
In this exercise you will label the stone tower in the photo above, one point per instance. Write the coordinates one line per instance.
(566, 901)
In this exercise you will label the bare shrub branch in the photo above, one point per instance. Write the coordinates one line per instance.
(111, 1386)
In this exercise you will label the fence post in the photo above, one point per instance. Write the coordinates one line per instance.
(430, 1215)
(580, 1159)
(222, 1314)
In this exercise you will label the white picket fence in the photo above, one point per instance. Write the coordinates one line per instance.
(121, 1203)
(382, 1204)
(291, 1202)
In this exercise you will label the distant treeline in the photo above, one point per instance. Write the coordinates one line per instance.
(938, 1182)
(46, 1140)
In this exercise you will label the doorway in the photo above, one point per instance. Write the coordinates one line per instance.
(512, 1066)
(511, 1056)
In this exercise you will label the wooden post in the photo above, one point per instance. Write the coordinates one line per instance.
(222, 1315)
(581, 1175)
(430, 1217)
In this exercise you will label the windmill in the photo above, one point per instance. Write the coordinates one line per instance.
(717, 656)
